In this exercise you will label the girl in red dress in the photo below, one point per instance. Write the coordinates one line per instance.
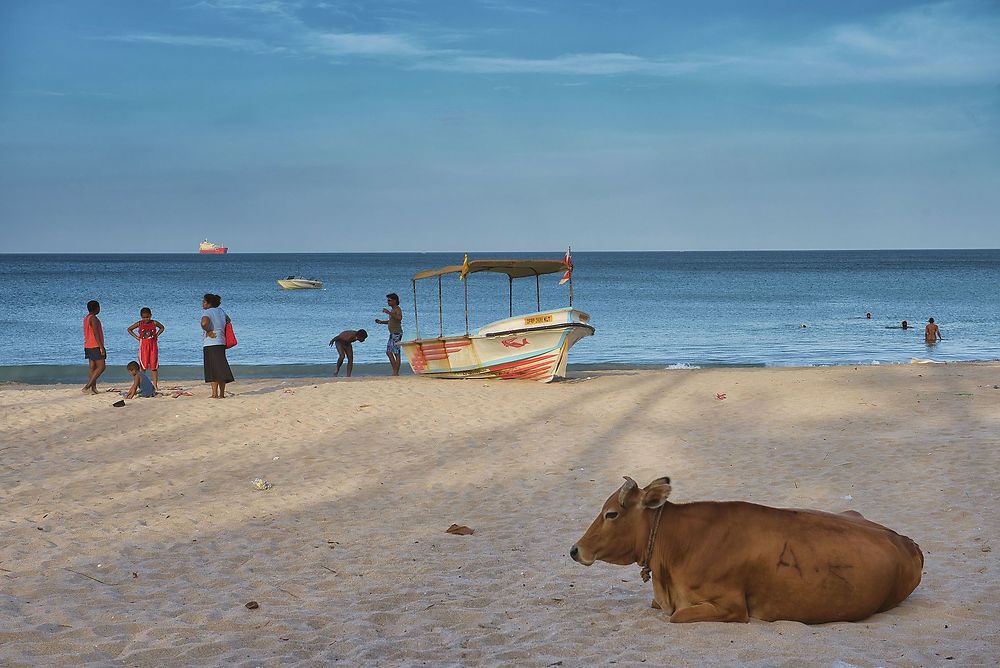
(149, 332)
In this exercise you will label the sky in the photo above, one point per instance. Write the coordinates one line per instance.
(491, 125)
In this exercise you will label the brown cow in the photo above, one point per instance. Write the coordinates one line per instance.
(715, 561)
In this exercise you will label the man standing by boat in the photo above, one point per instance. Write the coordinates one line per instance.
(395, 323)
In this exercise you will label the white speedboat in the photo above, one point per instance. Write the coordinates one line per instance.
(299, 283)
(532, 346)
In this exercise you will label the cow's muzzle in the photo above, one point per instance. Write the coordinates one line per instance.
(574, 552)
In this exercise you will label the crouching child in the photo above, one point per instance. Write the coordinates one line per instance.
(142, 386)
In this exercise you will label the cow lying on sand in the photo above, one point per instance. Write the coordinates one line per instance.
(729, 561)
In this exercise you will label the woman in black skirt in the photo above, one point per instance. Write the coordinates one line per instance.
(217, 371)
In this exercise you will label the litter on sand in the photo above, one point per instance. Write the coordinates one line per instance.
(460, 530)
(261, 484)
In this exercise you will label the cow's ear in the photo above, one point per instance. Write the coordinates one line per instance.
(656, 493)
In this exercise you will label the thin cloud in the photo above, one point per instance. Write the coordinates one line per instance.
(943, 43)
(934, 44)
(512, 7)
(281, 7)
(364, 44)
(571, 64)
(41, 92)
(309, 42)
(200, 41)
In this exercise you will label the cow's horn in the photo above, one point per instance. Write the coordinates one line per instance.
(627, 487)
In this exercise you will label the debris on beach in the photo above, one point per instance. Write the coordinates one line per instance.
(252, 605)
(119, 403)
(261, 484)
(720, 396)
(460, 530)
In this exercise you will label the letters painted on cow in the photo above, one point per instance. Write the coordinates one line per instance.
(730, 561)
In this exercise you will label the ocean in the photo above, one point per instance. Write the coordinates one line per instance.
(650, 309)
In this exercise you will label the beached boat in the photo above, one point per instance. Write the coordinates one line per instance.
(532, 346)
(206, 247)
(299, 283)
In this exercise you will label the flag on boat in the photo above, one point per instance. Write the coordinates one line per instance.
(465, 268)
(568, 261)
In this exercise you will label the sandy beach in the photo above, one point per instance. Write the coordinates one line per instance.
(133, 536)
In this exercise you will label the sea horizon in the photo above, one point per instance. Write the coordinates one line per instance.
(554, 252)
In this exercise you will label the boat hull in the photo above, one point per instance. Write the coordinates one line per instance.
(214, 251)
(293, 284)
(531, 347)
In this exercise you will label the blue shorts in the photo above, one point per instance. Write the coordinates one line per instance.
(393, 344)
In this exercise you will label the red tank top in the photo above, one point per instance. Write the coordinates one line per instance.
(147, 330)
(89, 333)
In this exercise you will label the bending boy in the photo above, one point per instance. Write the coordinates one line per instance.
(343, 343)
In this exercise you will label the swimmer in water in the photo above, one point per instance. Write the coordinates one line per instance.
(932, 334)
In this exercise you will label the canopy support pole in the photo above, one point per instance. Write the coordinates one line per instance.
(466, 282)
(571, 289)
(510, 285)
(416, 323)
(440, 310)
(538, 293)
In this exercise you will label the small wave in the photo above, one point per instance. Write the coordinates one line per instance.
(682, 365)
(804, 364)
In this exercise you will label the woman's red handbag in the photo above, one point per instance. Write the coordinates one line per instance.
(230, 335)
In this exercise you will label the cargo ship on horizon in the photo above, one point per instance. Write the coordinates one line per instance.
(208, 248)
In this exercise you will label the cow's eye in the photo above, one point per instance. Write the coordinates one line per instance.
(611, 514)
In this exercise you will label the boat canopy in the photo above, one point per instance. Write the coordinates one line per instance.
(513, 268)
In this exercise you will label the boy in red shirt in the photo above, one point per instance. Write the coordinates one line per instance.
(149, 332)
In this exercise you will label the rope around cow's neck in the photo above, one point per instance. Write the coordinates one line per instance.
(645, 571)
